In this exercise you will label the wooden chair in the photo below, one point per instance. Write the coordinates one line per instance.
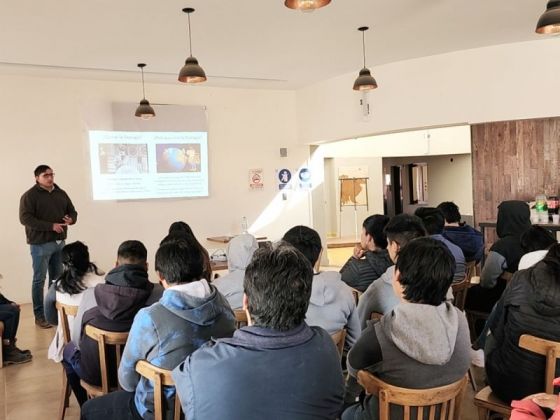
(240, 318)
(64, 311)
(460, 289)
(447, 398)
(117, 340)
(1, 355)
(376, 316)
(356, 293)
(487, 402)
(339, 338)
(159, 378)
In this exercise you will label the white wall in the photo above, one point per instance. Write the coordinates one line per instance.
(504, 82)
(43, 121)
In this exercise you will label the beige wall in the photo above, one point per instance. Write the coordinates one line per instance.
(503, 82)
(43, 120)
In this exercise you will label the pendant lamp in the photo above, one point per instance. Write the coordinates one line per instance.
(549, 22)
(365, 80)
(144, 110)
(306, 5)
(191, 71)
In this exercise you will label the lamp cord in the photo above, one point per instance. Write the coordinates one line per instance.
(364, 46)
(190, 39)
(143, 90)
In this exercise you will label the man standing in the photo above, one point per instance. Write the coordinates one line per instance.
(46, 211)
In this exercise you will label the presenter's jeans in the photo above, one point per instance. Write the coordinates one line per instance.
(45, 257)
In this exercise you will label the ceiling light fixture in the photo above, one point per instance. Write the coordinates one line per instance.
(549, 22)
(306, 5)
(144, 110)
(191, 71)
(365, 80)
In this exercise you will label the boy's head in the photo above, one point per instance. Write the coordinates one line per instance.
(277, 287)
(132, 252)
(432, 219)
(450, 213)
(372, 232)
(179, 261)
(424, 271)
(305, 240)
(400, 230)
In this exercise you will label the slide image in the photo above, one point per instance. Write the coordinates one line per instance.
(119, 158)
(178, 157)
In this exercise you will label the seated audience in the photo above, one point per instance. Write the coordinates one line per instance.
(464, 236)
(513, 221)
(118, 300)
(9, 316)
(78, 275)
(277, 367)
(529, 305)
(433, 221)
(181, 229)
(380, 296)
(535, 243)
(239, 253)
(332, 305)
(424, 341)
(190, 312)
(370, 259)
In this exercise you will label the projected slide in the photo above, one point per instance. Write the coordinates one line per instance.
(139, 165)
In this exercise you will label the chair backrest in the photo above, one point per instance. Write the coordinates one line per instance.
(447, 398)
(339, 337)
(1, 334)
(240, 318)
(549, 349)
(460, 289)
(159, 377)
(356, 293)
(107, 338)
(64, 311)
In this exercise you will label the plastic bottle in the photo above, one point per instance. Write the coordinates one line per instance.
(244, 225)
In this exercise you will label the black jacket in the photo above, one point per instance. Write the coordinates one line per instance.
(530, 305)
(360, 273)
(116, 308)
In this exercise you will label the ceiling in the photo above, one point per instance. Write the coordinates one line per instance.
(250, 43)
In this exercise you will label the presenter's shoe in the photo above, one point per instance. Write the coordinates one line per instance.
(42, 323)
(11, 356)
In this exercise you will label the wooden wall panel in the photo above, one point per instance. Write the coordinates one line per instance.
(514, 160)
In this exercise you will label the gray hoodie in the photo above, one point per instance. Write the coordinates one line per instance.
(240, 250)
(332, 306)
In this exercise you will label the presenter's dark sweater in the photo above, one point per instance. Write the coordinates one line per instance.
(39, 209)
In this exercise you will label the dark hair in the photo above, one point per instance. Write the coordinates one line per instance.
(403, 228)
(133, 252)
(374, 226)
(180, 227)
(41, 169)
(278, 287)
(450, 211)
(552, 261)
(305, 240)
(180, 230)
(75, 265)
(426, 271)
(536, 238)
(432, 218)
(179, 261)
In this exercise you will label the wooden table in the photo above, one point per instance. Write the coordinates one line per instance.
(224, 239)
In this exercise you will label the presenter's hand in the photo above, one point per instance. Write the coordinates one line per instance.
(358, 252)
(67, 220)
(58, 227)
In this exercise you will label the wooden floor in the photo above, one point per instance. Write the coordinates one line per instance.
(32, 391)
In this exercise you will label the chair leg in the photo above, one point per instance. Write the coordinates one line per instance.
(483, 413)
(471, 379)
(64, 396)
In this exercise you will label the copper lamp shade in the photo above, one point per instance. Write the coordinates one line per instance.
(305, 5)
(191, 72)
(145, 110)
(365, 80)
(549, 22)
